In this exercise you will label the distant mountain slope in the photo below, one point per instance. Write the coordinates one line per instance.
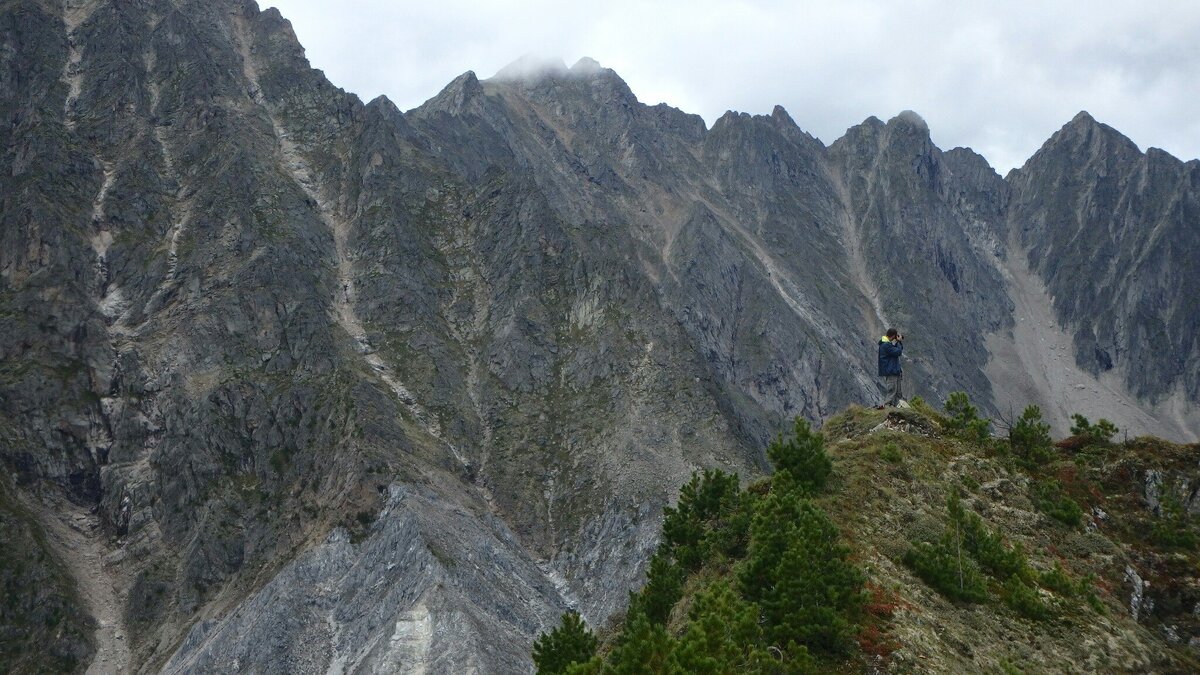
(260, 333)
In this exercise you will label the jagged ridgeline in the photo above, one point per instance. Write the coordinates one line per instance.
(915, 541)
(290, 381)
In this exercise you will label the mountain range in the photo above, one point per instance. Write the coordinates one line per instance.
(291, 382)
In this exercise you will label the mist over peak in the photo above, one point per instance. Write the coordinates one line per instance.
(531, 67)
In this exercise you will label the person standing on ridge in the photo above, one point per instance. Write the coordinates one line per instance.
(891, 346)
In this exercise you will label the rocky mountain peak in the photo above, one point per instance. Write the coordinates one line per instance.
(912, 120)
(388, 112)
(457, 95)
(1083, 118)
(909, 130)
(781, 117)
(1084, 136)
(465, 354)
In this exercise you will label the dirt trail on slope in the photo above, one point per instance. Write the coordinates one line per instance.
(77, 540)
(1035, 363)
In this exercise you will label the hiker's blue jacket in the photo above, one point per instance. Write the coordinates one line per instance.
(889, 357)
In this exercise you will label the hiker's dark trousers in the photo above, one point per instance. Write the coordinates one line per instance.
(892, 385)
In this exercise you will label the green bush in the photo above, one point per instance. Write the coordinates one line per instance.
(1172, 529)
(797, 570)
(987, 548)
(1025, 600)
(664, 587)
(570, 643)
(707, 519)
(802, 456)
(1049, 498)
(1056, 579)
(963, 419)
(891, 453)
(947, 569)
(1100, 432)
(1030, 439)
(953, 565)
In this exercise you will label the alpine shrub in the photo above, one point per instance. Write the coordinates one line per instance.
(948, 569)
(963, 419)
(798, 572)
(664, 586)
(570, 643)
(1030, 438)
(1056, 579)
(988, 549)
(1171, 530)
(802, 456)
(1100, 432)
(1025, 600)
(1049, 498)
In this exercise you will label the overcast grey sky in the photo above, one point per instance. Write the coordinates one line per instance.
(998, 76)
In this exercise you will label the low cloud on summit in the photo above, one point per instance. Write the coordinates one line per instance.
(998, 77)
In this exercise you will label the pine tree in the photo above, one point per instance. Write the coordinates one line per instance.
(1100, 432)
(646, 648)
(704, 503)
(570, 643)
(1030, 438)
(797, 571)
(964, 419)
(723, 635)
(803, 457)
(664, 586)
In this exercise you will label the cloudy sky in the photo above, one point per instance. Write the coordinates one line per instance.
(999, 77)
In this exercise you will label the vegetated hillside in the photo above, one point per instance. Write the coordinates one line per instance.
(909, 540)
(259, 337)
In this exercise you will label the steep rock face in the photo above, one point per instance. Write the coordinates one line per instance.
(182, 350)
(43, 624)
(1112, 229)
(275, 337)
(920, 227)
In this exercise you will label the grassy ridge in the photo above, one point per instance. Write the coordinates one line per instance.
(912, 540)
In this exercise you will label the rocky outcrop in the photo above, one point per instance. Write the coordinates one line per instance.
(243, 311)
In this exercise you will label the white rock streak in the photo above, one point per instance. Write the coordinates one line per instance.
(344, 299)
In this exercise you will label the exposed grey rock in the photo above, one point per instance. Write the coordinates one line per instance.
(236, 303)
(1153, 491)
(1111, 230)
(427, 590)
(1140, 605)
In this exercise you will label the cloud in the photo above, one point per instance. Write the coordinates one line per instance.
(998, 77)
